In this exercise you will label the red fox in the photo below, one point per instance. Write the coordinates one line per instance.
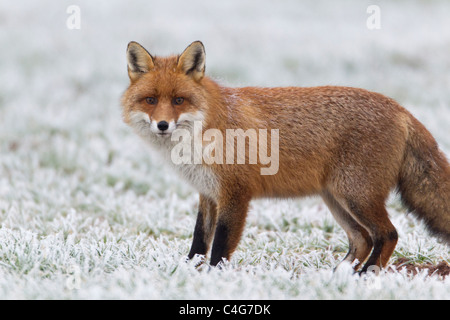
(350, 146)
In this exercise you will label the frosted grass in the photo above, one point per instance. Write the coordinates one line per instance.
(87, 211)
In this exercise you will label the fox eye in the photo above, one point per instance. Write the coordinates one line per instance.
(178, 100)
(151, 100)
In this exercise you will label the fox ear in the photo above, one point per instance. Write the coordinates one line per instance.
(139, 60)
(192, 60)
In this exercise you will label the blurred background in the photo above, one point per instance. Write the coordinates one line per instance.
(69, 167)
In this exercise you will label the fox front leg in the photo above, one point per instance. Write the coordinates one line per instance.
(204, 227)
(232, 212)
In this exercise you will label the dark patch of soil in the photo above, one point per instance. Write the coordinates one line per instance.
(442, 269)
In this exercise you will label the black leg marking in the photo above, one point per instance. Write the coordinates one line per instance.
(219, 250)
(198, 243)
(377, 247)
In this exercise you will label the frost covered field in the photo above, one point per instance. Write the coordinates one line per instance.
(88, 212)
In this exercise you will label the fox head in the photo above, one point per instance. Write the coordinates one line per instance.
(165, 92)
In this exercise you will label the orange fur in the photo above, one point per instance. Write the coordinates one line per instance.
(348, 145)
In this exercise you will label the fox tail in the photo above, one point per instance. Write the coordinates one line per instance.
(424, 181)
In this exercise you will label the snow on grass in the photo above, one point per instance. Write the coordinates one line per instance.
(87, 211)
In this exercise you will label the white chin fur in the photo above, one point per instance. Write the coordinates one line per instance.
(199, 176)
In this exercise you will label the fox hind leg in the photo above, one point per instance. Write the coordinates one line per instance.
(374, 218)
(360, 242)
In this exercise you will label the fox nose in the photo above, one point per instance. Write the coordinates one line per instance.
(163, 125)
